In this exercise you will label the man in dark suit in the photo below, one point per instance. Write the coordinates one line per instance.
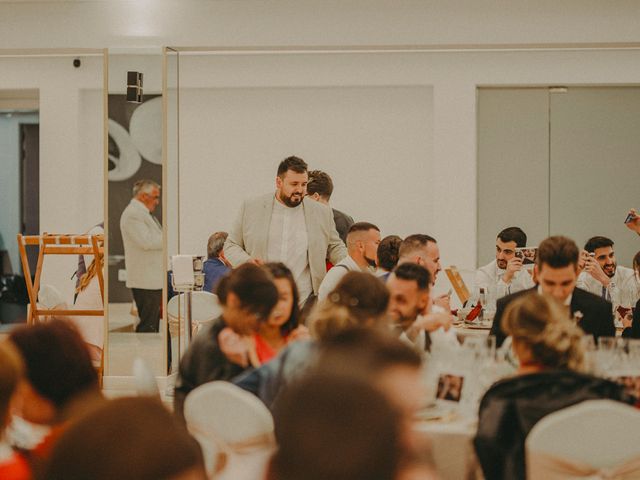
(556, 274)
(320, 188)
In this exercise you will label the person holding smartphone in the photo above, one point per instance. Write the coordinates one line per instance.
(633, 221)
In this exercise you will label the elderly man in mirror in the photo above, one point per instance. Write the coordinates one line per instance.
(142, 238)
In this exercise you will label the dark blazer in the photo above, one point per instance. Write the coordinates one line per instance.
(343, 223)
(634, 330)
(511, 407)
(597, 314)
(203, 362)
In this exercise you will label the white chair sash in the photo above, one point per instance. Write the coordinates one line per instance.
(542, 465)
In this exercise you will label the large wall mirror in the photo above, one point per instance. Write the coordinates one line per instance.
(52, 121)
(137, 213)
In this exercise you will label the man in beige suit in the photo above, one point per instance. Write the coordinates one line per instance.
(142, 238)
(289, 228)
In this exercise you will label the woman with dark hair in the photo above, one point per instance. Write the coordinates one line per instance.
(359, 300)
(60, 380)
(282, 325)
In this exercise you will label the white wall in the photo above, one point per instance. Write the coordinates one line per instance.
(71, 158)
(10, 183)
(449, 198)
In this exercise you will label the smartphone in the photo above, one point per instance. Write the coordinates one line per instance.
(630, 218)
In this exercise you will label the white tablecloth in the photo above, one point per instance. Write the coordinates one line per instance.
(452, 447)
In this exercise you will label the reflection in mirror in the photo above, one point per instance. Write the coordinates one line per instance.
(136, 260)
(51, 153)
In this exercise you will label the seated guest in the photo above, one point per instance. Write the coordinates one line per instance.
(388, 250)
(127, 439)
(13, 466)
(505, 274)
(389, 365)
(409, 305)
(338, 428)
(423, 250)
(89, 297)
(362, 247)
(282, 325)
(60, 380)
(320, 188)
(602, 275)
(220, 352)
(216, 265)
(359, 299)
(550, 352)
(556, 271)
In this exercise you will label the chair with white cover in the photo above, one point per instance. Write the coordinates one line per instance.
(234, 428)
(205, 308)
(595, 439)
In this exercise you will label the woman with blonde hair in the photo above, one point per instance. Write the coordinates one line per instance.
(88, 297)
(549, 349)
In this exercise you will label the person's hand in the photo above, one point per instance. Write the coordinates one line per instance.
(582, 260)
(234, 347)
(634, 223)
(514, 265)
(627, 320)
(299, 333)
(593, 268)
(444, 301)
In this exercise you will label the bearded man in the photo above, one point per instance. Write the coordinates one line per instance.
(288, 228)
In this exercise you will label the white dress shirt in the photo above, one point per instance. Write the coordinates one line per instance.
(333, 276)
(288, 243)
(490, 276)
(619, 291)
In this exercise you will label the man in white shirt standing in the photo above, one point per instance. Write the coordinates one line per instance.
(288, 228)
(601, 274)
(142, 238)
(505, 275)
(363, 239)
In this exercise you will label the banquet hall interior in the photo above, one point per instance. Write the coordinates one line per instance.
(278, 239)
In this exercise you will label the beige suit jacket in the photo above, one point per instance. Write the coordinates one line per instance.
(249, 236)
(142, 238)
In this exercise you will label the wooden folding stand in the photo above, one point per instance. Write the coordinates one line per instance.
(59, 244)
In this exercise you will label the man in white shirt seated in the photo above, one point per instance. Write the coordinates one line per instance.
(505, 274)
(601, 274)
(409, 305)
(363, 239)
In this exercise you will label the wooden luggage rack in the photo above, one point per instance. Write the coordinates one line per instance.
(58, 244)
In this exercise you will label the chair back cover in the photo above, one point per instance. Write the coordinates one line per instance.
(234, 428)
(595, 439)
(205, 308)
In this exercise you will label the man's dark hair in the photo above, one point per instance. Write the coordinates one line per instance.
(58, 364)
(280, 270)
(597, 242)
(295, 164)
(253, 286)
(164, 448)
(362, 227)
(415, 272)
(414, 242)
(388, 252)
(514, 234)
(320, 182)
(362, 440)
(557, 252)
(365, 352)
